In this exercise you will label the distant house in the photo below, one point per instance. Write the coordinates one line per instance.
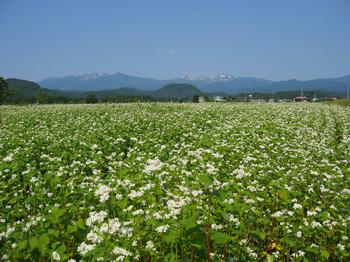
(301, 99)
(219, 99)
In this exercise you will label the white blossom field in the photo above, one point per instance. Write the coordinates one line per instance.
(175, 182)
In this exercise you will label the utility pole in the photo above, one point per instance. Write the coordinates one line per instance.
(347, 93)
(245, 96)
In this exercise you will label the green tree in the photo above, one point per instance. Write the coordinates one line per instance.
(91, 99)
(4, 91)
(42, 97)
(195, 99)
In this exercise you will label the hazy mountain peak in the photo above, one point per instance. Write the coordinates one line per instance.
(221, 78)
(194, 78)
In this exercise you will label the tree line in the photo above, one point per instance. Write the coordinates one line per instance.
(10, 95)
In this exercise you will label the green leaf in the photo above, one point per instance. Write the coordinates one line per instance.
(189, 223)
(324, 253)
(43, 242)
(220, 238)
(260, 234)
(33, 243)
(61, 249)
(284, 195)
(72, 228)
(205, 180)
(54, 233)
(22, 244)
(170, 257)
(197, 240)
(80, 224)
(170, 237)
(55, 215)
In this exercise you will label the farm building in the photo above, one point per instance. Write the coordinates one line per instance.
(219, 99)
(301, 99)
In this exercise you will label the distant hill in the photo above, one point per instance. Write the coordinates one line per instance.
(27, 92)
(336, 85)
(176, 90)
(170, 91)
(237, 85)
(223, 83)
(23, 87)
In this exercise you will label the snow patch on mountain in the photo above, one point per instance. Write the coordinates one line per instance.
(92, 76)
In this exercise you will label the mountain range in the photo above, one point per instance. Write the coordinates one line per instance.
(223, 83)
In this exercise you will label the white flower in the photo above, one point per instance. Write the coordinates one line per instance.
(297, 206)
(251, 253)
(315, 224)
(341, 247)
(134, 194)
(162, 229)
(310, 213)
(234, 220)
(345, 191)
(84, 248)
(93, 237)
(216, 227)
(121, 251)
(278, 214)
(103, 193)
(8, 158)
(152, 165)
(118, 196)
(95, 217)
(243, 242)
(196, 193)
(299, 234)
(150, 246)
(56, 256)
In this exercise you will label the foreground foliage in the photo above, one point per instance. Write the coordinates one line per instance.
(171, 182)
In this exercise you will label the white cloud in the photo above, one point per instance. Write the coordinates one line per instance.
(166, 52)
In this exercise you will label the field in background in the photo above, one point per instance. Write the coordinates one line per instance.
(342, 102)
(175, 182)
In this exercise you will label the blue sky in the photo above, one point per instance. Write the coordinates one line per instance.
(165, 39)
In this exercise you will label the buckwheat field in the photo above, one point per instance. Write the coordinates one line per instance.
(175, 182)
